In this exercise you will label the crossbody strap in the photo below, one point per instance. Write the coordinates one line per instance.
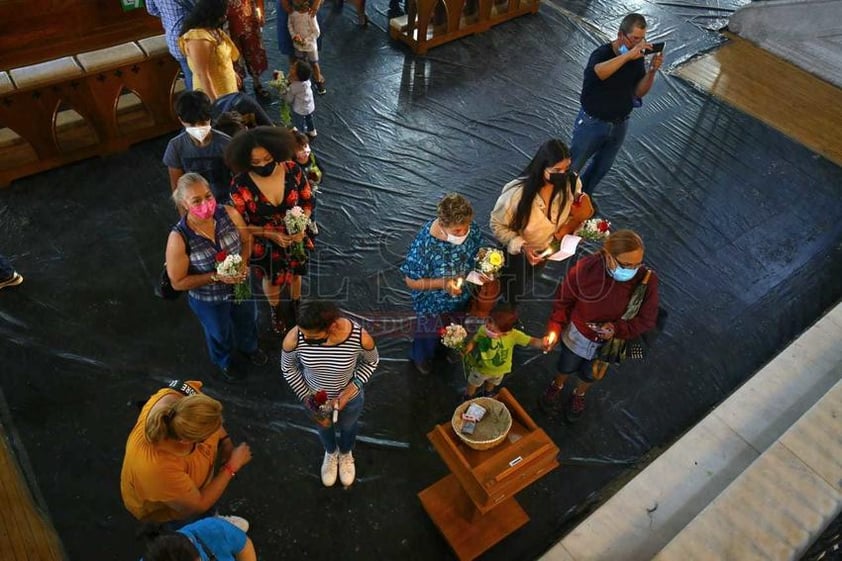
(637, 297)
(208, 553)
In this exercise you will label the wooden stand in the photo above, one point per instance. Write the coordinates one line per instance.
(474, 507)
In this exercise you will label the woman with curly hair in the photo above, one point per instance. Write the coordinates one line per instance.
(268, 184)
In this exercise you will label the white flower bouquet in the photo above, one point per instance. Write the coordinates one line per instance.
(453, 336)
(595, 229)
(296, 221)
(231, 265)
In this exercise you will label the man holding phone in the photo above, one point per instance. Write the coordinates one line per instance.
(615, 79)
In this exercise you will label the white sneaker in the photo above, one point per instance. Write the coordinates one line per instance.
(347, 471)
(329, 469)
(312, 133)
(237, 521)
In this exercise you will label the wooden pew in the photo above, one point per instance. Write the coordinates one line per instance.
(79, 79)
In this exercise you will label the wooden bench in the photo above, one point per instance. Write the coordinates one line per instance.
(80, 79)
(429, 23)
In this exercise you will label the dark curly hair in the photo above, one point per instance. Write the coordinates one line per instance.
(317, 314)
(278, 141)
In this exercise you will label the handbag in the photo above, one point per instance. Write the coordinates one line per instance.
(164, 288)
(617, 350)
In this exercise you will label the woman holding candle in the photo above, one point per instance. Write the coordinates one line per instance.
(589, 310)
(439, 258)
(532, 213)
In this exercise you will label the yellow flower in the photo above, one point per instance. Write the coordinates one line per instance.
(495, 259)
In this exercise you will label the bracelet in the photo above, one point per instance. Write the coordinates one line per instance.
(229, 470)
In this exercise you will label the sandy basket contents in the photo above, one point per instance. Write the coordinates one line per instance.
(491, 430)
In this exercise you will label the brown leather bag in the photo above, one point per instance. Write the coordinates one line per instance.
(581, 210)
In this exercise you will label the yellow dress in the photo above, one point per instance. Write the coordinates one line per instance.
(221, 63)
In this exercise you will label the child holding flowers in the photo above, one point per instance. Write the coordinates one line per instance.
(489, 354)
(304, 30)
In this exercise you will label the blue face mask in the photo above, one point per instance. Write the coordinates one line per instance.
(623, 49)
(623, 274)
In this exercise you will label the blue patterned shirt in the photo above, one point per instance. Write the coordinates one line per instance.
(203, 255)
(172, 14)
(432, 258)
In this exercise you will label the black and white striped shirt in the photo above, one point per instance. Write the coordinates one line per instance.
(310, 368)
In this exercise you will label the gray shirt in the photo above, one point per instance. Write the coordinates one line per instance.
(209, 161)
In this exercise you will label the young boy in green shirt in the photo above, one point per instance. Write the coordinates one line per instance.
(489, 354)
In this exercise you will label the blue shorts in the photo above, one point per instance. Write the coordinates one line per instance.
(571, 363)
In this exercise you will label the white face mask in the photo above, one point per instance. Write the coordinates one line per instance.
(199, 133)
(458, 240)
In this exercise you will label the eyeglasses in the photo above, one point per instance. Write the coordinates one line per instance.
(626, 265)
(634, 40)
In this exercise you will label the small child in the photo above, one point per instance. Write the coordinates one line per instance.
(304, 30)
(230, 122)
(300, 98)
(490, 351)
(305, 158)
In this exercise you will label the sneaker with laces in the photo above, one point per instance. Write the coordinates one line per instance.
(14, 280)
(237, 521)
(347, 471)
(330, 467)
(550, 399)
(575, 408)
(320, 88)
(312, 134)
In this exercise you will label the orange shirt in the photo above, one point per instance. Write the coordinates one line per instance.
(152, 477)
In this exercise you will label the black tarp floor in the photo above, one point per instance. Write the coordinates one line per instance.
(741, 223)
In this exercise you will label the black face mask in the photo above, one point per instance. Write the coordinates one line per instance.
(264, 171)
(319, 341)
(562, 179)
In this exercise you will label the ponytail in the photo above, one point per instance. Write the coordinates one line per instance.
(158, 423)
(193, 417)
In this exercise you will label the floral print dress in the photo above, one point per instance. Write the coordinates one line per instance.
(267, 257)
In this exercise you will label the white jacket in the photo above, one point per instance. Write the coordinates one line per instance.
(539, 229)
(300, 97)
(302, 23)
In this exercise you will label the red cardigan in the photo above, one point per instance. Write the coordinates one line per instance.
(589, 294)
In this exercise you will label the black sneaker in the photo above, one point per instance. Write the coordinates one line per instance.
(575, 408)
(320, 88)
(258, 357)
(228, 376)
(424, 367)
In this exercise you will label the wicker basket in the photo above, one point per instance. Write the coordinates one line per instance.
(491, 430)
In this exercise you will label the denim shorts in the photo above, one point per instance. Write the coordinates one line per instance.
(477, 378)
(571, 363)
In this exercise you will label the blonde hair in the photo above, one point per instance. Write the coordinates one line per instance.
(193, 418)
(454, 210)
(622, 241)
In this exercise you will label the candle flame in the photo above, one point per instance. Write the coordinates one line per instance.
(546, 253)
(259, 13)
(459, 282)
(551, 337)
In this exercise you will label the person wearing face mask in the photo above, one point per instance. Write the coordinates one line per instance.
(532, 213)
(330, 355)
(267, 185)
(439, 259)
(615, 81)
(199, 148)
(489, 354)
(588, 311)
(205, 231)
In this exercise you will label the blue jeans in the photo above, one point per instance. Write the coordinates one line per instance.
(228, 327)
(303, 123)
(188, 75)
(426, 344)
(6, 269)
(347, 426)
(597, 139)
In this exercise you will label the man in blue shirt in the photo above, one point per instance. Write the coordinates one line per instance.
(615, 80)
(172, 14)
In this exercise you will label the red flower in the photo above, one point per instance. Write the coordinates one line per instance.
(320, 397)
(252, 207)
(442, 331)
(602, 225)
(221, 255)
(258, 250)
(292, 198)
(306, 192)
(238, 202)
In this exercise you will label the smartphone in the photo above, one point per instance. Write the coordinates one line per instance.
(656, 48)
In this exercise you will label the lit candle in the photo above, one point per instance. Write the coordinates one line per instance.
(459, 281)
(259, 14)
(551, 337)
(546, 253)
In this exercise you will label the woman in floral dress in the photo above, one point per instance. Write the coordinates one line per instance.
(245, 23)
(267, 185)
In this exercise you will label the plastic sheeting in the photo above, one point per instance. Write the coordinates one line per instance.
(741, 224)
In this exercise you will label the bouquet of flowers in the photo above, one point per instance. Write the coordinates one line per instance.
(296, 222)
(318, 408)
(489, 261)
(279, 82)
(453, 337)
(230, 266)
(595, 229)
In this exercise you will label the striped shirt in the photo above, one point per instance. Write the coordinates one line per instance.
(310, 368)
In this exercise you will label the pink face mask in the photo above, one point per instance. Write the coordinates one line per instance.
(204, 210)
